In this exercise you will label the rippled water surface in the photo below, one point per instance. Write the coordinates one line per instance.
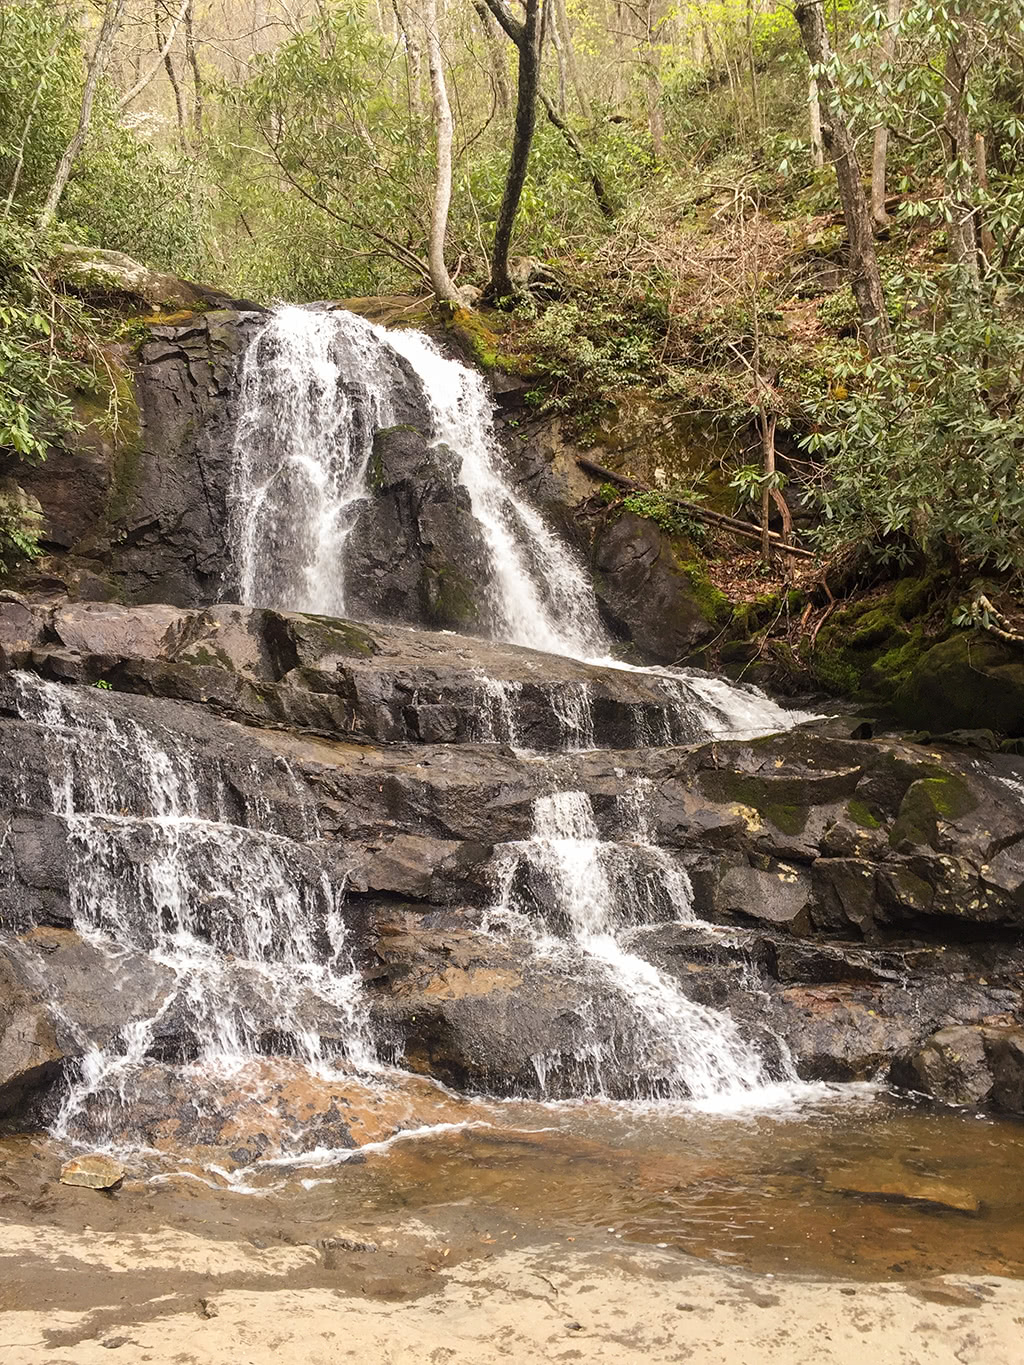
(848, 1183)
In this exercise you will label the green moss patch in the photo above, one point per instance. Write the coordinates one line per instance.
(930, 800)
(860, 813)
(336, 637)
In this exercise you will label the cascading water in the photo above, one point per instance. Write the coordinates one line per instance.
(248, 937)
(315, 387)
(593, 894)
(545, 600)
(313, 391)
(316, 384)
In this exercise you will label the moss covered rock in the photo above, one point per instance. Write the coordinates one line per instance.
(111, 277)
(967, 680)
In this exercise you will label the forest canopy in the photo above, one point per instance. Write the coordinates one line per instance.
(806, 223)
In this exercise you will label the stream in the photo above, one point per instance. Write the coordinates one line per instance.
(679, 1126)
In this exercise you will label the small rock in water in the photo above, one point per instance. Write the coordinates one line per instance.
(891, 1181)
(94, 1172)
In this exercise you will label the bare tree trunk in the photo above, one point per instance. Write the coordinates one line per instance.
(561, 22)
(748, 23)
(197, 79)
(814, 108)
(563, 83)
(97, 65)
(441, 281)
(963, 238)
(496, 48)
(767, 421)
(652, 81)
(604, 201)
(985, 234)
(879, 151)
(413, 61)
(172, 75)
(526, 34)
(161, 57)
(866, 280)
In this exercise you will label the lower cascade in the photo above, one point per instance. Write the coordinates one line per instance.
(243, 932)
(662, 1045)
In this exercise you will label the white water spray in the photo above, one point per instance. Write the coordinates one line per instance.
(663, 1045)
(246, 933)
(313, 393)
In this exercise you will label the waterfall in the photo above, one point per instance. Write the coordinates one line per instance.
(593, 893)
(545, 600)
(247, 932)
(315, 387)
(313, 391)
(170, 864)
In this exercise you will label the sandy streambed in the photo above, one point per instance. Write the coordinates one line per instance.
(178, 1297)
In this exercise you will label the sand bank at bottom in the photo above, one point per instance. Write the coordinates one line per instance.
(93, 1298)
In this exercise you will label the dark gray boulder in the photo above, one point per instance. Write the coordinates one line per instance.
(416, 553)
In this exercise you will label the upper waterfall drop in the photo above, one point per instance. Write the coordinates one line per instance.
(316, 385)
(545, 599)
(313, 392)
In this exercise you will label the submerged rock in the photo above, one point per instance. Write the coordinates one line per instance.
(96, 1172)
(892, 1181)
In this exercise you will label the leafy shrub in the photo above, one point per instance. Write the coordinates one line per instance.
(924, 450)
(666, 514)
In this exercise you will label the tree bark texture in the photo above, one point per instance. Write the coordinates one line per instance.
(526, 35)
(814, 111)
(197, 79)
(413, 60)
(865, 280)
(561, 22)
(880, 148)
(97, 65)
(963, 233)
(441, 281)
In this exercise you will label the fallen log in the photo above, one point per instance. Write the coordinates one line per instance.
(740, 528)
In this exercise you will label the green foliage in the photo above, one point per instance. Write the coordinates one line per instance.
(40, 55)
(127, 197)
(40, 343)
(587, 348)
(923, 450)
(20, 524)
(666, 514)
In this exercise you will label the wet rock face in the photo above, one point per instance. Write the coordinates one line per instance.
(860, 897)
(416, 553)
(971, 1065)
(337, 678)
(143, 514)
(665, 605)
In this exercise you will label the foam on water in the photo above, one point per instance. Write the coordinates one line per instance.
(668, 1045)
